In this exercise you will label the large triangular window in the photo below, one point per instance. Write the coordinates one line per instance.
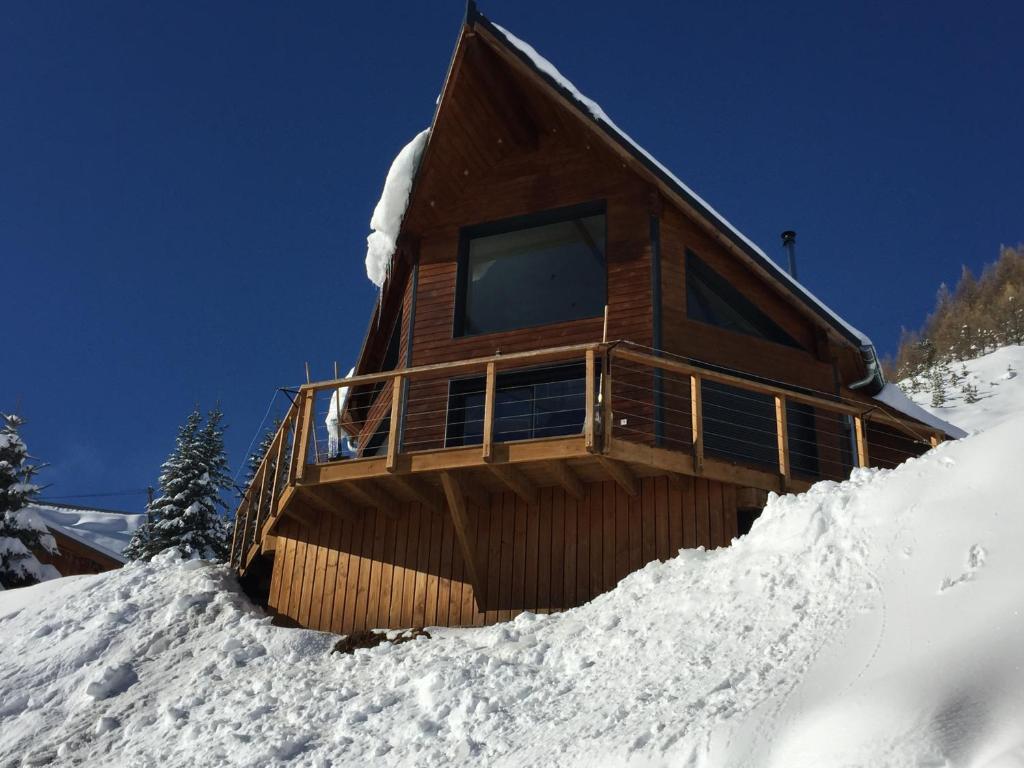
(711, 299)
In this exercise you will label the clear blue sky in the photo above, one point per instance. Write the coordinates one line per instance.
(185, 188)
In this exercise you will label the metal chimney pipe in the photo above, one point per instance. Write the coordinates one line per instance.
(789, 243)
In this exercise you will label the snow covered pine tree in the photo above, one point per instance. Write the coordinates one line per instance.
(187, 514)
(21, 530)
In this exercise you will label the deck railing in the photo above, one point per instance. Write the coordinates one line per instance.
(623, 402)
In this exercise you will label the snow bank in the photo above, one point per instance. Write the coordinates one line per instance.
(107, 532)
(998, 378)
(390, 209)
(875, 622)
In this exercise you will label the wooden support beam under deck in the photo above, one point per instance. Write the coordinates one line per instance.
(620, 473)
(326, 499)
(516, 481)
(463, 531)
(370, 495)
(419, 490)
(567, 479)
(302, 513)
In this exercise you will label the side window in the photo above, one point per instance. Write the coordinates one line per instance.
(710, 298)
(535, 270)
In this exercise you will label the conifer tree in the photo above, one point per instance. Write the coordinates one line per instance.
(21, 530)
(188, 512)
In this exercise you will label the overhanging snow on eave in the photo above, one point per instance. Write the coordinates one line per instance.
(550, 74)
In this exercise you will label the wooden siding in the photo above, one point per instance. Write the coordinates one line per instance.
(342, 576)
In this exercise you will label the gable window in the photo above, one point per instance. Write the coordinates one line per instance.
(527, 405)
(533, 270)
(710, 298)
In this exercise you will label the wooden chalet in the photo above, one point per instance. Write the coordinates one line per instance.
(575, 367)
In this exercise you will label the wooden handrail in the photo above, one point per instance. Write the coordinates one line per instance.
(458, 367)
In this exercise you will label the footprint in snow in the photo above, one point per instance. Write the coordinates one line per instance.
(975, 559)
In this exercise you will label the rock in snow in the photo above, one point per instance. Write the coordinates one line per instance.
(390, 209)
(875, 622)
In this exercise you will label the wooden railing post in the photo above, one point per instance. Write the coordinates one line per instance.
(782, 436)
(862, 443)
(697, 423)
(589, 400)
(235, 557)
(397, 388)
(488, 436)
(303, 430)
(606, 402)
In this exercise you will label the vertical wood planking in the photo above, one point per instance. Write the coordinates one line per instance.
(559, 558)
(583, 509)
(398, 572)
(508, 531)
(374, 619)
(518, 601)
(621, 504)
(636, 538)
(434, 571)
(689, 512)
(411, 554)
(731, 523)
(473, 605)
(715, 513)
(596, 514)
(701, 510)
(494, 558)
(323, 541)
(532, 545)
(419, 611)
(608, 545)
(650, 551)
(571, 538)
(663, 540)
(365, 565)
(676, 515)
(330, 574)
(444, 615)
(544, 543)
(341, 580)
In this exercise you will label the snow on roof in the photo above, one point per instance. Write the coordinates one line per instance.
(106, 532)
(595, 110)
(894, 397)
(390, 209)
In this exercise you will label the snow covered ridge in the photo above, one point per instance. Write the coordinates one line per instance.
(875, 622)
(994, 382)
(386, 221)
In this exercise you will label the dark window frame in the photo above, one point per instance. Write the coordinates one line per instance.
(773, 333)
(514, 224)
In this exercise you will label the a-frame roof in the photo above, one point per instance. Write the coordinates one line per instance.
(527, 60)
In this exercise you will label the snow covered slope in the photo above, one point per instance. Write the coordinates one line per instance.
(877, 622)
(998, 378)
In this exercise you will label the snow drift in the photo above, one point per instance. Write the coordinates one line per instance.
(386, 221)
(874, 622)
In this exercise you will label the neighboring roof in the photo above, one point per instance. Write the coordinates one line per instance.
(107, 532)
(895, 397)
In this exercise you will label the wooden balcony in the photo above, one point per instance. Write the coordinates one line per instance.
(641, 414)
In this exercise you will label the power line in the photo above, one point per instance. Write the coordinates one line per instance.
(96, 495)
